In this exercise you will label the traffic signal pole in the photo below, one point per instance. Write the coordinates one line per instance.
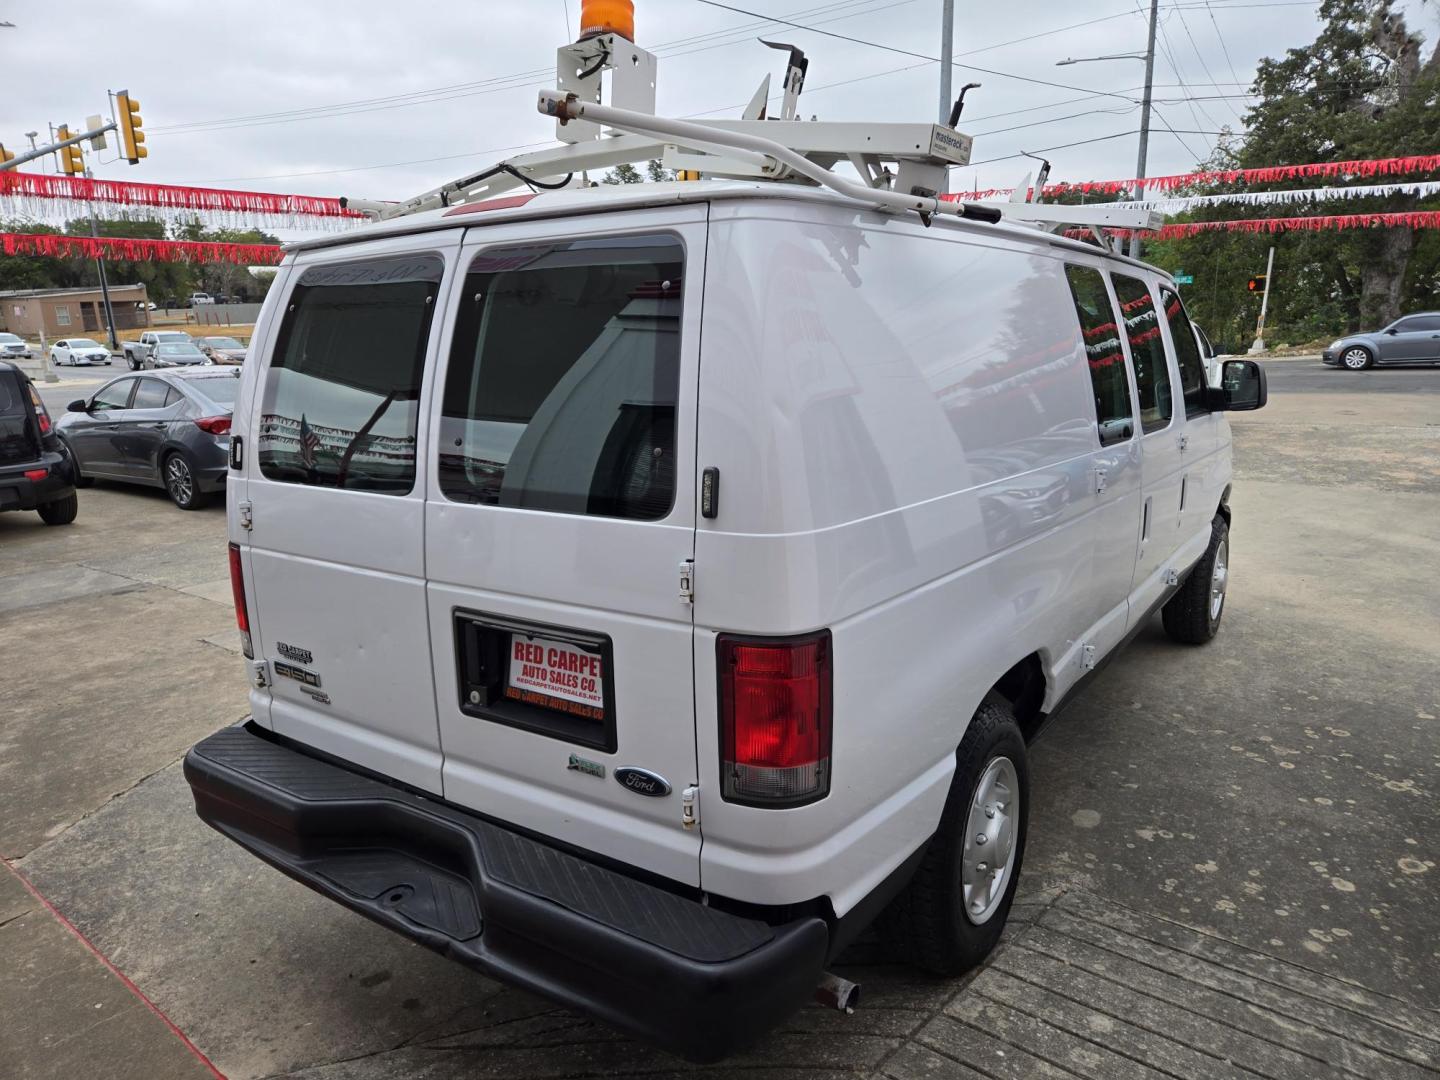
(104, 283)
(50, 148)
(1259, 344)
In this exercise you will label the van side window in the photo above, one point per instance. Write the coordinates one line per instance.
(563, 381)
(1100, 331)
(1147, 351)
(1187, 352)
(341, 396)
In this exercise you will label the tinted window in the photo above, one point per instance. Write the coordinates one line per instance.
(341, 396)
(561, 392)
(1418, 323)
(114, 396)
(1187, 353)
(1100, 331)
(1147, 351)
(151, 394)
(220, 391)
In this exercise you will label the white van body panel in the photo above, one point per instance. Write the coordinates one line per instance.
(340, 574)
(899, 420)
(599, 575)
(904, 425)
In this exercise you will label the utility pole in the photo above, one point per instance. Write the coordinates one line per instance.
(1259, 344)
(100, 268)
(947, 57)
(1145, 118)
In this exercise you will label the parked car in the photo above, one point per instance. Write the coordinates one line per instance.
(222, 350)
(80, 352)
(36, 470)
(175, 354)
(541, 588)
(1412, 339)
(14, 347)
(167, 429)
(198, 298)
(137, 352)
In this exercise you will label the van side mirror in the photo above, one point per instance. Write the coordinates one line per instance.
(1242, 387)
(80, 405)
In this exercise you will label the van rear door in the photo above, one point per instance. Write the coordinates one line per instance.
(334, 556)
(559, 517)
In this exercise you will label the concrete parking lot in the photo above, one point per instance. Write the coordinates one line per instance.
(1233, 870)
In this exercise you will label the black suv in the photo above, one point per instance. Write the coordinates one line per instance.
(36, 471)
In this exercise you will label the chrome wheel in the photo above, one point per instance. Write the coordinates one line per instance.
(1219, 575)
(1356, 359)
(990, 827)
(178, 480)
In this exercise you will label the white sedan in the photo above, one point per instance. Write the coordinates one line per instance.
(81, 351)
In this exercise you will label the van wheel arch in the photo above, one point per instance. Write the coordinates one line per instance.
(1023, 688)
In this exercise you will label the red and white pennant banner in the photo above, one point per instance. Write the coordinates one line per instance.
(1271, 174)
(42, 197)
(1412, 219)
(119, 247)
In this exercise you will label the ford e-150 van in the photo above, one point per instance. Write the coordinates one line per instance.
(648, 587)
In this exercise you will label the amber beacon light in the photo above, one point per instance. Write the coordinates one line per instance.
(607, 17)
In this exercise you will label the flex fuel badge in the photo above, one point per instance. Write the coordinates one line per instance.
(585, 765)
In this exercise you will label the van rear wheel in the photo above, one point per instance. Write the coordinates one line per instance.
(950, 915)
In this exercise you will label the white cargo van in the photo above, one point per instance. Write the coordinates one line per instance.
(647, 587)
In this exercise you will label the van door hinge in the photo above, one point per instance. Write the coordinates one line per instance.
(247, 515)
(259, 675)
(1172, 577)
(1100, 475)
(1183, 441)
(1087, 657)
(687, 581)
(689, 815)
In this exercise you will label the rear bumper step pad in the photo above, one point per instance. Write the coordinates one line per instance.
(696, 980)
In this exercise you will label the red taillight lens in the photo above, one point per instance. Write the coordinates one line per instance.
(242, 613)
(775, 713)
(36, 474)
(214, 425)
(41, 416)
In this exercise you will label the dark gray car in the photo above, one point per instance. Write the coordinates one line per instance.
(1410, 339)
(167, 429)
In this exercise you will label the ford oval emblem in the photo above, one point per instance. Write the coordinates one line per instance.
(642, 781)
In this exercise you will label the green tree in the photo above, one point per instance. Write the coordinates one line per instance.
(1364, 88)
(623, 174)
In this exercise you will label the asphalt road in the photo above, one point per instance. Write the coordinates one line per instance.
(1232, 866)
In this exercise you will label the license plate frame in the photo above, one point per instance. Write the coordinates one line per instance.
(484, 651)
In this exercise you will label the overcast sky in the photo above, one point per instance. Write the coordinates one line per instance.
(383, 100)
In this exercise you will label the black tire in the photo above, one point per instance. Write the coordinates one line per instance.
(1355, 352)
(927, 924)
(1192, 616)
(60, 511)
(180, 482)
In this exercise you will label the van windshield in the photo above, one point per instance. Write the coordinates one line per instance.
(563, 379)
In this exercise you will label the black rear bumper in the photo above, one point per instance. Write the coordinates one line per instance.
(18, 492)
(693, 979)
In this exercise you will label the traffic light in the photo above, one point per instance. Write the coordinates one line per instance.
(1256, 283)
(5, 155)
(72, 158)
(127, 117)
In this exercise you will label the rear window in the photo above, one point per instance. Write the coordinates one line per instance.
(220, 391)
(563, 378)
(342, 395)
(1100, 331)
(151, 394)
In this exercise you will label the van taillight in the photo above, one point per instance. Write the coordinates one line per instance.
(242, 614)
(775, 713)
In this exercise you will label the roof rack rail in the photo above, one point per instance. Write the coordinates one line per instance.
(900, 167)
